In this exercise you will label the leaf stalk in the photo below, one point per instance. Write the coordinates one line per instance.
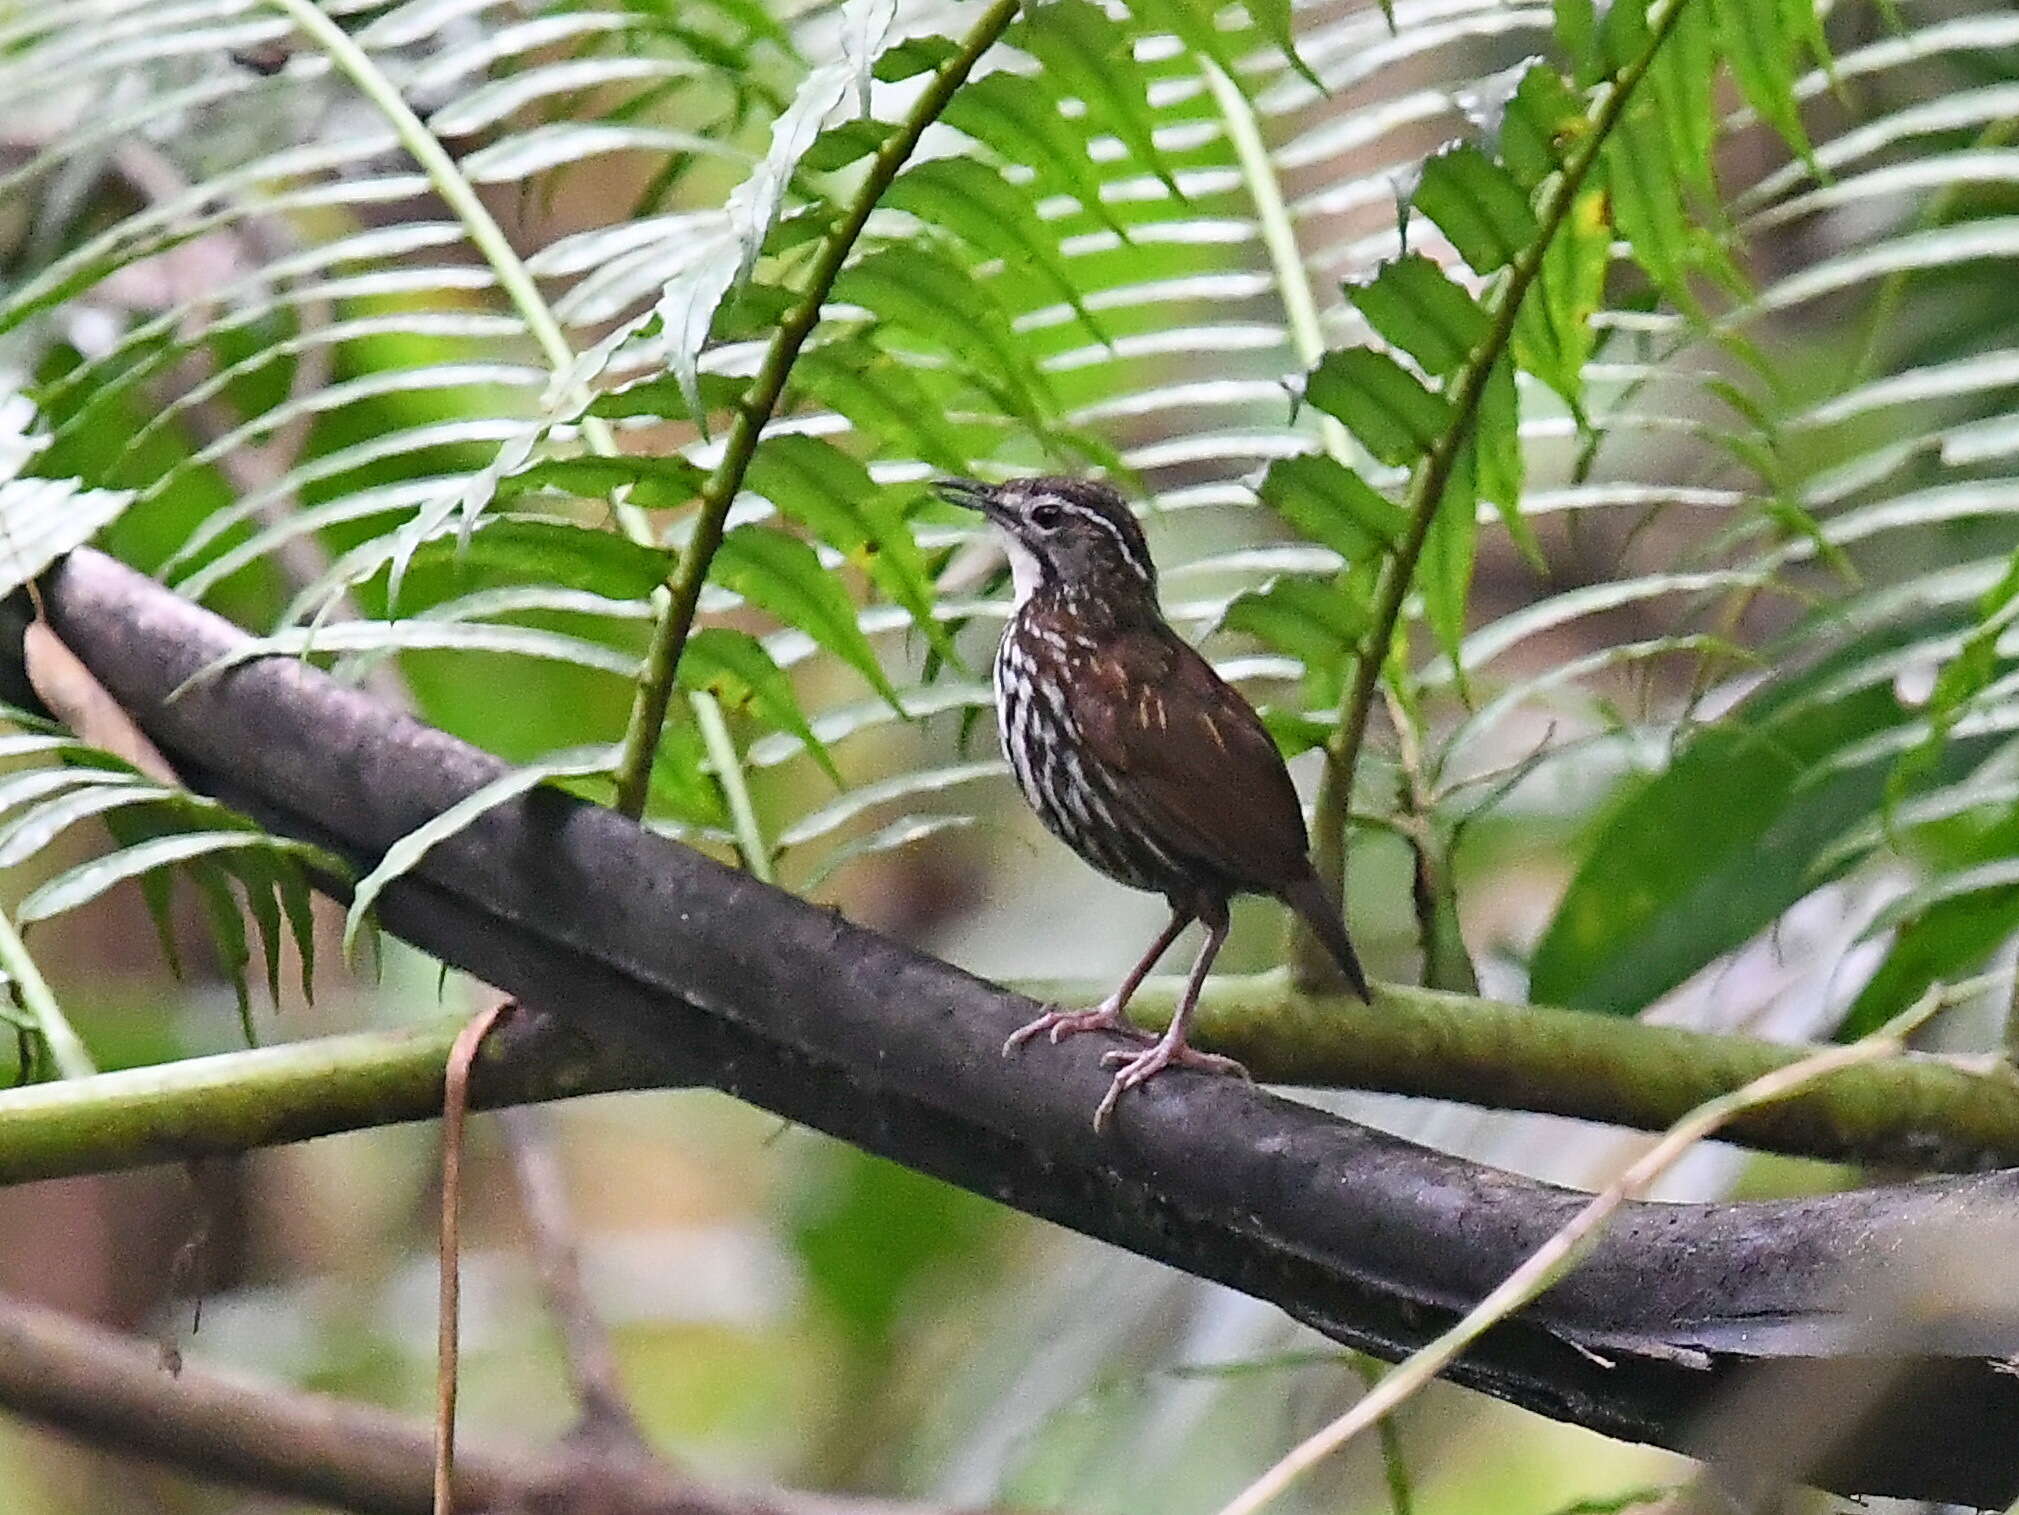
(662, 662)
(66, 1047)
(1309, 961)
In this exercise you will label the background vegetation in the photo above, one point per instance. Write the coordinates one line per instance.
(1586, 435)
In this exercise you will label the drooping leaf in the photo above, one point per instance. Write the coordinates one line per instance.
(781, 574)
(734, 667)
(664, 397)
(552, 550)
(1195, 23)
(1449, 550)
(1944, 930)
(1320, 622)
(230, 948)
(1763, 51)
(1552, 331)
(1276, 22)
(914, 56)
(1647, 204)
(832, 495)
(1541, 117)
(655, 483)
(1696, 860)
(42, 519)
(978, 205)
(40, 824)
(927, 293)
(1964, 678)
(1500, 463)
(888, 401)
(1681, 81)
(401, 857)
(1091, 56)
(81, 884)
(1018, 115)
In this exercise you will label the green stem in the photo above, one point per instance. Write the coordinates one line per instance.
(1394, 1463)
(1279, 237)
(760, 400)
(735, 787)
(1427, 486)
(449, 182)
(65, 1046)
(521, 289)
(1909, 1110)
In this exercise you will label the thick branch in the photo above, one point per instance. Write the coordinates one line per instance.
(702, 973)
(112, 1392)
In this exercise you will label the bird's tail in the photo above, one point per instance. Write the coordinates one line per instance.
(1314, 903)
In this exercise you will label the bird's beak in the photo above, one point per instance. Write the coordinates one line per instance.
(969, 494)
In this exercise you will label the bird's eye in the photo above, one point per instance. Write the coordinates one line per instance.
(1045, 517)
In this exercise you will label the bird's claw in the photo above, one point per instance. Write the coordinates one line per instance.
(1138, 1068)
(1060, 1024)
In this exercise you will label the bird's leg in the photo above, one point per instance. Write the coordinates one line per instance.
(1139, 1067)
(1110, 1014)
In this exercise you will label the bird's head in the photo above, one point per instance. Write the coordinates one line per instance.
(1072, 535)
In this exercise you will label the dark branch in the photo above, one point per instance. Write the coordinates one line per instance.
(701, 973)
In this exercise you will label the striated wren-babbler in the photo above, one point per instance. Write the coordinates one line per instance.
(1136, 754)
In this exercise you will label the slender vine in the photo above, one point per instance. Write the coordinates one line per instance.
(754, 410)
(1426, 488)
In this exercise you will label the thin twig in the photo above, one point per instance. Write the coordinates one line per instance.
(1467, 388)
(108, 1391)
(1563, 1251)
(455, 1109)
(606, 1421)
(760, 400)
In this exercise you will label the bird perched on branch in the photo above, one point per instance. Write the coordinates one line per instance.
(1136, 754)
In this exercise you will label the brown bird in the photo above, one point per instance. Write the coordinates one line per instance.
(1136, 754)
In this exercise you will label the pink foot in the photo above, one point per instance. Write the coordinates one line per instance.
(1064, 1023)
(1140, 1067)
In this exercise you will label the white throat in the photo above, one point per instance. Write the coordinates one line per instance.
(1024, 571)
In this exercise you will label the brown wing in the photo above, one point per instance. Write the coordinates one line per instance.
(1200, 769)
